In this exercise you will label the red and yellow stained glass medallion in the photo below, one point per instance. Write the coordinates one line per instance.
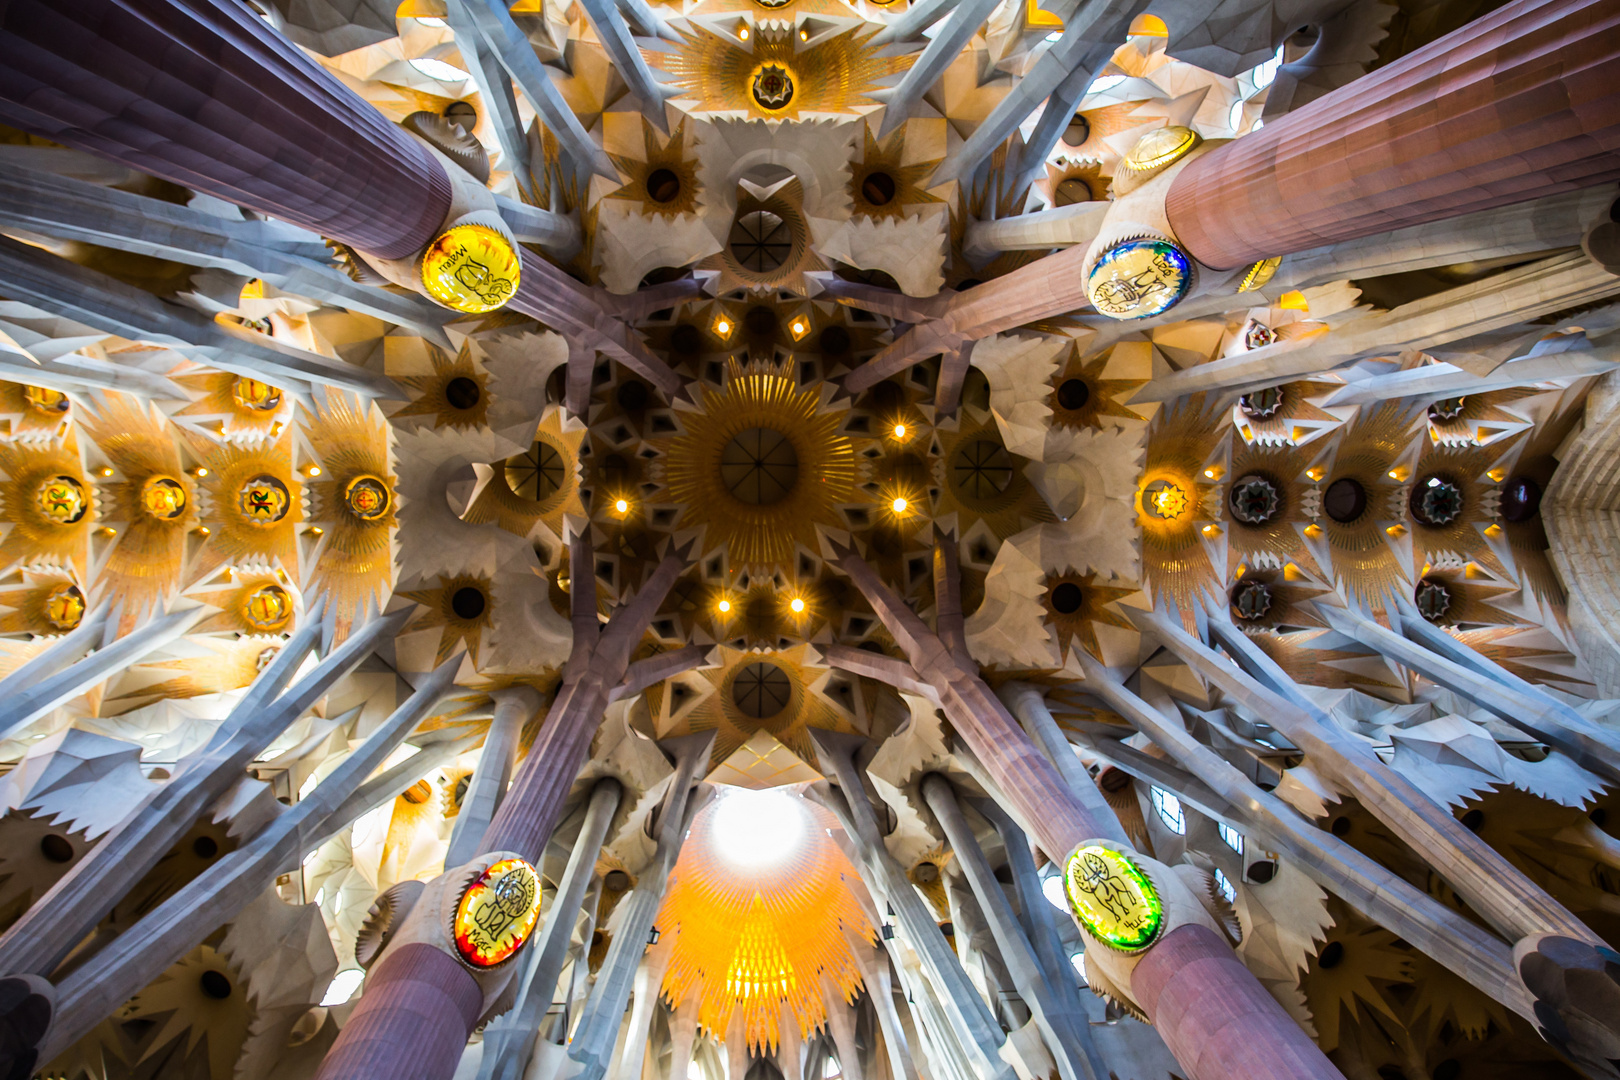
(497, 913)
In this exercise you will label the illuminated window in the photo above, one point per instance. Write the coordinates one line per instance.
(831, 1071)
(1233, 838)
(438, 69)
(1224, 884)
(1169, 808)
(1053, 888)
(1104, 83)
(1079, 961)
(1263, 75)
(343, 987)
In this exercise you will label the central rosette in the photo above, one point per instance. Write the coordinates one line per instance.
(761, 466)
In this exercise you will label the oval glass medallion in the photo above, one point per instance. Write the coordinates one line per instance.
(1112, 898)
(1136, 279)
(471, 268)
(497, 913)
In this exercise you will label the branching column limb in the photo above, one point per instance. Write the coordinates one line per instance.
(1214, 1015)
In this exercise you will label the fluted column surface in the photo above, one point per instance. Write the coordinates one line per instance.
(208, 95)
(1519, 104)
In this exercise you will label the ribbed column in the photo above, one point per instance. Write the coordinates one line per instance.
(206, 94)
(1519, 104)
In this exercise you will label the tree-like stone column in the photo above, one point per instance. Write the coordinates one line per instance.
(204, 94)
(384, 1036)
(1520, 103)
(1214, 1015)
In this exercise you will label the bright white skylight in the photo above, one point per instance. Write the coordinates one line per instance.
(343, 987)
(438, 69)
(758, 829)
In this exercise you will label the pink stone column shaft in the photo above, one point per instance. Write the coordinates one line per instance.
(1516, 105)
(204, 93)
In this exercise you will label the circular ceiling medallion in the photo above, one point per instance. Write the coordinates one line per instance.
(1447, 409)
(537, 474)
(1262, 404)
(1139, 278)
(267, 608)
(981, 469)
(1521, 499)
(1255, 500)
(497, 913)
(761, 690)
(163, 497)
(367, 497)
(1345, 500)
(759, 466)
(1251, 600)
(760, 241)
(254, 395)
(471, 268)
(45, 400)
(1436, 501)
(62, 500)
(1433, 599)
(64, 606)
(264, 501)
(1164, 500)
(772, 86)
(462, 393)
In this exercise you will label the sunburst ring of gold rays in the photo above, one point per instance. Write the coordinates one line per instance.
(433, 393)
(36, 412)
(245, 603)
(45, 601)
(549, 469)
(1466, 467)
(356, 561)
(831, 77)
(34, 537)
(245, 406)
(1101, 396)
(1280, 537)
(234, 536)
(665, 179)
(719, 712)
(869, 195)
(979, 479)
(155, 504)
(759, 535)
(438, 610)
(1080, 624)
(1362, 561)
(756, 939)
(1175, 562)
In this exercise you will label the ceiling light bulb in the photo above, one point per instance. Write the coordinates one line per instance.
(900, 506)
(313, 470)
(722, 327)
(202, 470)
(742, 35)
(899, 431)
(724, 606)
(622, 506)
(796, 604)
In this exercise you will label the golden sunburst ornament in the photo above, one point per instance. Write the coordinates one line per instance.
(455, 395)
(252, 505)
(539, 485)
(664, 179)
(1075, 604)
(760, 465)
(830, 77)
(1081, 397)
(236, 407)
(353, 500)
(48, 505)
(1170, 504)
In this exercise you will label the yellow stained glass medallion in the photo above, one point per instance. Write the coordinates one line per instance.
(255, 395)
(44, 400)
(263, 500)
(163, 497)
(471, 268)
(62, 500)
(1112, 899)
(267, 608)
(1139, 278)
(497, 913)
(1256, 276)
(367, 497)
(1159, 148)
(64, 606)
